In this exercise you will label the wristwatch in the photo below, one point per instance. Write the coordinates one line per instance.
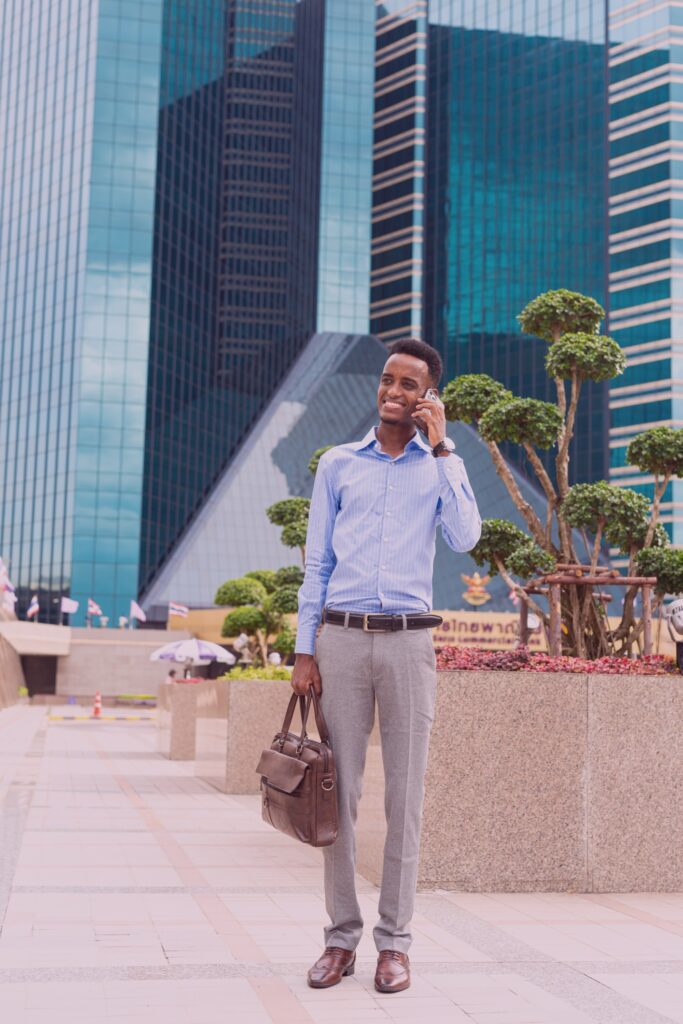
(445, 445)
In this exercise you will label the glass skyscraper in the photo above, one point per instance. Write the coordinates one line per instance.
(186, 190)
(645, 237)
(490, 184)
(192, 189)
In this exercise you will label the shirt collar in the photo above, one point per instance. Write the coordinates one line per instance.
(370, 441)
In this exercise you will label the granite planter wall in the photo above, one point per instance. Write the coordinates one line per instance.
(545, 782)
(236, 719)
(11, 674)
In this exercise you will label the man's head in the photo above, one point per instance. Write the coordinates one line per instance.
(412, 368)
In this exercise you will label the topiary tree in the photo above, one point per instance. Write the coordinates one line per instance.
(259, 613)
(240, 591)
(267, 577)
(292, 515)
(658, 451)
(507, 550)
(289, 576)
(285, 642)
(315, 458)
(577, 352)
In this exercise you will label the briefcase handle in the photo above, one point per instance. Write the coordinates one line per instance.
(304, 706)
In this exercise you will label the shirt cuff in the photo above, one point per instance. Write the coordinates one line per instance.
(305, 644)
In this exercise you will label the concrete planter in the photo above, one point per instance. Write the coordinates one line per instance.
(11, 674)
(236, 719)
(546, 782)
(176, 719)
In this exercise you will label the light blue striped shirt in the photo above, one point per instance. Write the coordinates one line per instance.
(372, 529)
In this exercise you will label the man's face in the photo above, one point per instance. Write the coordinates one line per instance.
(403, 383)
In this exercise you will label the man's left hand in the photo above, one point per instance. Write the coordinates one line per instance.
(433, 416)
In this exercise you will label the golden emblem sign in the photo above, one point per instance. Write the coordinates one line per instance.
(476, 592)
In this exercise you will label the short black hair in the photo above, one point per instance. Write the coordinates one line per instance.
(421, 350)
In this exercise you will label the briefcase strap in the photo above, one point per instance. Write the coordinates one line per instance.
(304, 706)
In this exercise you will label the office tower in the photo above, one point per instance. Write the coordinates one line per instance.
(645, 239)
(186, 199)
(489, 184)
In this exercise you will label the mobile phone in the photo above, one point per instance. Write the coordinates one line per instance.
(431, 395)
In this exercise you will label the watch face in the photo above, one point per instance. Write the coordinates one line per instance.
(448, 443)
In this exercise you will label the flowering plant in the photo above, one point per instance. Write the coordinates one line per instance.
(521, 659)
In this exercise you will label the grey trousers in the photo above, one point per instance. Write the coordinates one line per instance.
(398, 670)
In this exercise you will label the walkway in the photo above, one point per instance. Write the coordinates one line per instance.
(131, 892)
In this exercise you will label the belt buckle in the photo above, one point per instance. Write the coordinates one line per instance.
(366, 628)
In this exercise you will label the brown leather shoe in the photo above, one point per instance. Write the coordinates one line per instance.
(393, 971)
(335, 963)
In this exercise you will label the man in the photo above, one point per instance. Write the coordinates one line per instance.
(369, 559)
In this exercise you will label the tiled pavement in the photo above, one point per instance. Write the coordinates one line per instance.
(131, 892)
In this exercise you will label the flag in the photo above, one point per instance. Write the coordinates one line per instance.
(178, 609)
(68, 605)
(93, 607)
(33, 608)
(9, 597)
(136, 612)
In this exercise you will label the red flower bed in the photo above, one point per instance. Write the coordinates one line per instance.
(521, 659)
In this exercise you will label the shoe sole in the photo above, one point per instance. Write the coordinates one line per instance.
(346, 973)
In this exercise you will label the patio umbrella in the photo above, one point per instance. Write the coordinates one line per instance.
(192, 651)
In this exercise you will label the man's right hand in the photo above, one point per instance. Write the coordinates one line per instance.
(305, 674)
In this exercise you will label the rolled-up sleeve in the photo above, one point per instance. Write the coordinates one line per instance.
(457, 511)
(320, 558)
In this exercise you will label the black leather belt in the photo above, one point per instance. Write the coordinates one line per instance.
(378, 623)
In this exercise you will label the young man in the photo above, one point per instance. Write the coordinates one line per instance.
(369, 558)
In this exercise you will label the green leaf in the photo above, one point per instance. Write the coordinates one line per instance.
(560, 312)
(289, 510)
(267, 577)
(591, 356)
(285, 600)
(659, 450)
(315, 458)
(664, 563)
(523, 421)
(243, 620)
(499, 538)
(289, 575)
(240, 591)
(294, 533)
(468, 397)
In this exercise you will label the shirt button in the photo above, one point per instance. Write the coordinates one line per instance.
(384, 566)
(388, 513)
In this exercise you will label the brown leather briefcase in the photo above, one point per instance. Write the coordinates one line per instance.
(298, 779)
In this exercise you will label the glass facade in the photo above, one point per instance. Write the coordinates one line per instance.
(645, 240)
(399, 170)
(329, 396)
(346, 167)
(78, 119)
(191, 199)
(489, 184)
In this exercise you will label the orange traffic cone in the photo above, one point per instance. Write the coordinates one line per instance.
(97, 707)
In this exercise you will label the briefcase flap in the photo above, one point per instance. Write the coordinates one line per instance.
(281, 770)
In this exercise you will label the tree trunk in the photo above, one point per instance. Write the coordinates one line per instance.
(520, 503)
